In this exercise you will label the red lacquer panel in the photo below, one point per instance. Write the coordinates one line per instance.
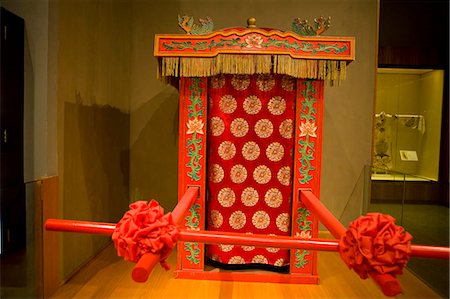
(308, 156)
(192, 164)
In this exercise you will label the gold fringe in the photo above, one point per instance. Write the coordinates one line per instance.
(333, 71)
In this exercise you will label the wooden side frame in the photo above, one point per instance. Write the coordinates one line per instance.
(192, 165)
(306, 172)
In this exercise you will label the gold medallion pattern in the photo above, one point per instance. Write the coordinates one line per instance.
(277, 105)
(284, 175)
(218, 81)
(216, 126)
(263, 128)
(275, 151)
(216, 219)
(238, 174)
(236, 260)
(250, 151)
(272, 249)
(286, 128)
(283, 222)
(250, 143)
(273, 198)
(226, 247)
(279, 262)
(228, 104)
(239, 127)
(265, 82)
(261, 219)
(259, 259)
(227, 150)
(252, 105)
(249, 197)
(287, 83)
(262, 174)
(248, 248)
(237, 220)
(226, 197)
(216, 173)
(240, 82)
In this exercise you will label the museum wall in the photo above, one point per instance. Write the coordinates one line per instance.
(108, 128)
(93, 84)
(348, 108)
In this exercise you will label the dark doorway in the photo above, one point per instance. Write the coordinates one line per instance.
(13, 205)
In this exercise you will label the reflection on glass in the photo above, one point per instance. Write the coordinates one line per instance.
(408, 121)
(415, 203)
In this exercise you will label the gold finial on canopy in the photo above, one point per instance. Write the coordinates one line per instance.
(251, 23)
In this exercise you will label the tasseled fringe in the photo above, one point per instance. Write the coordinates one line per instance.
(333, 71)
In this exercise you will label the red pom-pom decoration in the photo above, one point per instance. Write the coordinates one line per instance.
(145, 228)
(374, 245)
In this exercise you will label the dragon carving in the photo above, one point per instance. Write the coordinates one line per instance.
(205, 25)
(302, 27)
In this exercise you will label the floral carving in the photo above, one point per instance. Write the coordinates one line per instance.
(195, 126)
(307, 130)
(254, 41)
(304, 226)
(194, 252)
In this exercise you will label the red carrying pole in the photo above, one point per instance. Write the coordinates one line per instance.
(209, 237)
(144, 266)
(147, 262)
(334, 226)
(388, 283)
(76, 226)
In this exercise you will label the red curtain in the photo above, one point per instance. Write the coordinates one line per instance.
(250, 161)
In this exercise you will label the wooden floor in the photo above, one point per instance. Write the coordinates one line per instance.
(108, 276)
